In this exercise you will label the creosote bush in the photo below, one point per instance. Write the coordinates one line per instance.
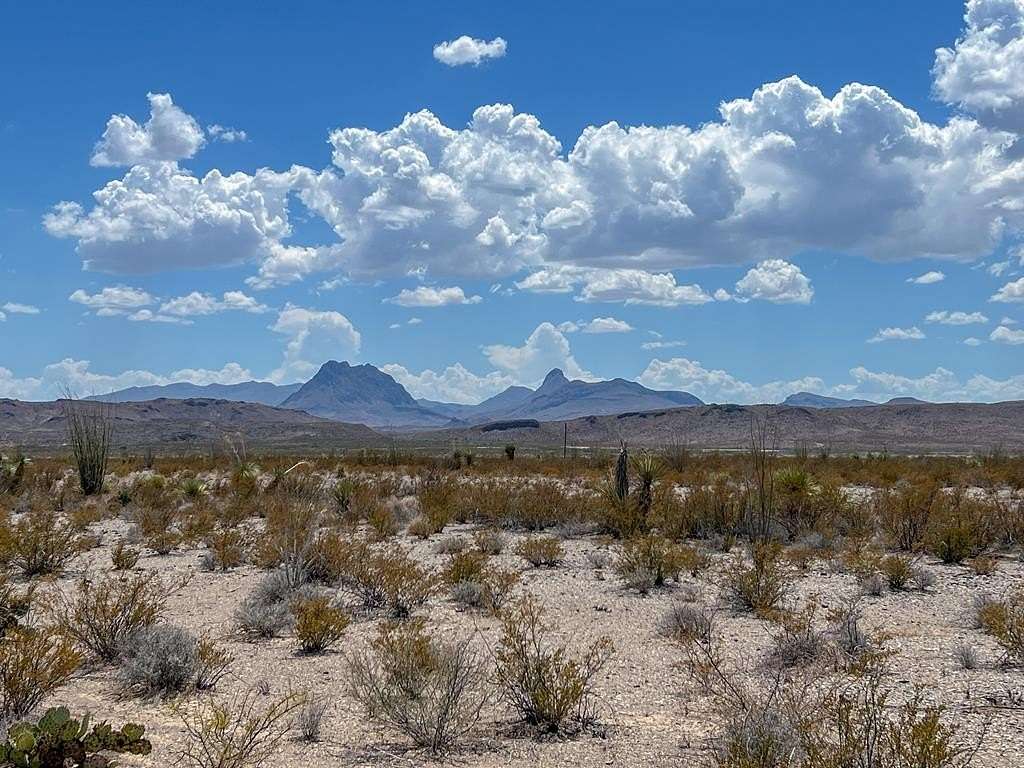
(545, 683)
(541, 551)
(42, 542)
(243, 732)
(761, 585)
(101, 614)
(646, 562)
(319, 624)
(430, 690)
(33, 664)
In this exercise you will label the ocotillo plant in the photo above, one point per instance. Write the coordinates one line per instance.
(622, 474)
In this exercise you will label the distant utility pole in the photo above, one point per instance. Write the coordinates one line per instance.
(565, 439)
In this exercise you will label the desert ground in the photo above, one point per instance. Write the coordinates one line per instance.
(724, 601)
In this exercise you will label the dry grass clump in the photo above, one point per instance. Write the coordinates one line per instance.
(241, 733)
(319, 624)
(124, 557)
(762, 584)
(474, 582)
(388, 578)
(103, 613)
(541, 551)
(545, 683)
(429, 690)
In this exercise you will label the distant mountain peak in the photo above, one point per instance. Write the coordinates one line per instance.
(553, 380)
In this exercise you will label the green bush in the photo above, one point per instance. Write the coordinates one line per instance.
(33, 664)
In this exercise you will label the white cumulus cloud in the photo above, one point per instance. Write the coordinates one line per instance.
(776, 281)
(469, 50)
(946, 317)
(1011, 292)
(928, 278)
(1006, 335)
(455, 384)
(169, 134)
(427, 296)
(312, 336)
(20, 309)
(546, 348)
(897, 334)
(198, 303)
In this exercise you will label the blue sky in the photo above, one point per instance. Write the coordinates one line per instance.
(730, 198)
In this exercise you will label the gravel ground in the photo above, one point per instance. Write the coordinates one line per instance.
(650, 714)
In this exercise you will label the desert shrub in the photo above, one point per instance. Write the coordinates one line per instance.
(763, 584)
(898, 570)
(124, 557)
(490, 540)
(685, 622)
(382, 522)
(57, 740)
(241, 733)
(225, 548)
(431, 691)
(157, 525)
(922, 578)
(1003, 620)
(291, 535)
(193, 489)
(873, 584)
(12, 473)
(712, 510)
(796, 641)
(905, 512)
(650, 561)
(310, 717)
(546, 551)
(545, 504)
(159, 660)
(266, 611)
(983, 565)
(390, 578)
(319, 624)
(436, 493)
(214, 662)
(466, 566)
(33, 664)
(988, 611)
(545, 683)
(102, 614)
(959, 528)
(43, 542)
(14, 603)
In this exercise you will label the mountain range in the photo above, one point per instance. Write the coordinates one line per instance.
(363, 394)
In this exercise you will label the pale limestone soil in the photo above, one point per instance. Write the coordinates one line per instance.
(650, 713)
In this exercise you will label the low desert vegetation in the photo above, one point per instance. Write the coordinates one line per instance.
(768, 608)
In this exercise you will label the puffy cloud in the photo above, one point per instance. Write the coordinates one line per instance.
(946, 317)
(312, 335)
(196, 303)
(546, 348)
(227, 135)
(20, 309)
(426, 296)
(113, 300)
(606, 325)
(1013, 291)
(621, 286)
(77, 377)
(3, 317)
(169, 134)
(717, 385)
(971, 341)
(897, 334)
(776, 281)
(455, 384)
(928, 278)
(469, 50)
(940, 385)
(984, 71)
(160, 217)
(1006, 335)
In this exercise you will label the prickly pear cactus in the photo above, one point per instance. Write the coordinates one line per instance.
(58, 740)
